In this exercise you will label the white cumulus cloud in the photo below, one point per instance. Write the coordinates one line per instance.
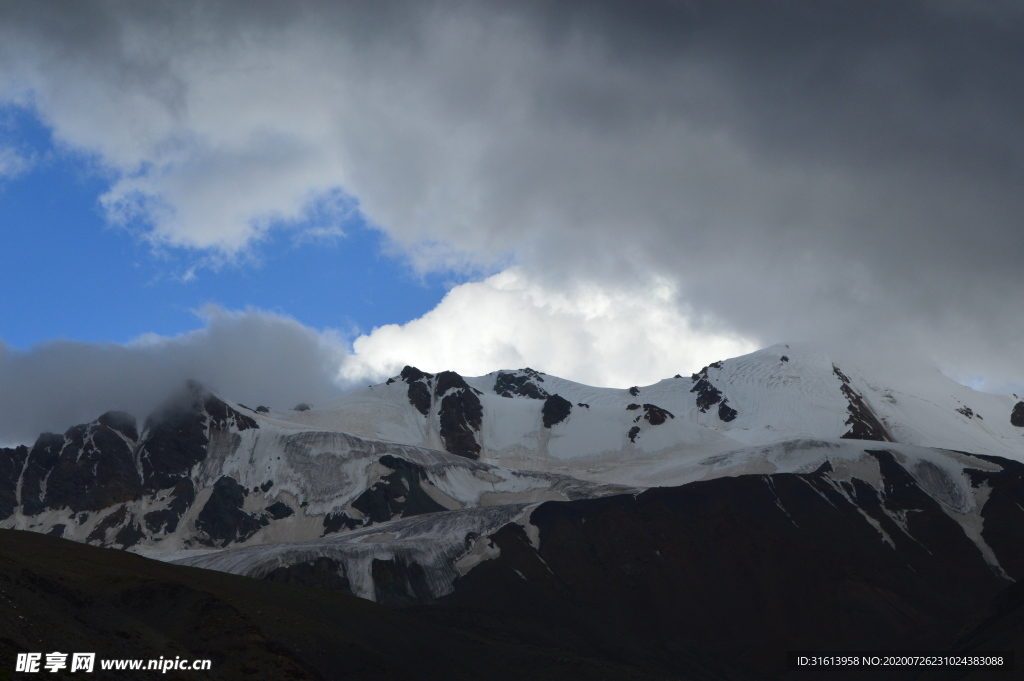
(606, 336)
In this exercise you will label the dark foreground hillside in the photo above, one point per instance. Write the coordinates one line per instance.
(64, 596)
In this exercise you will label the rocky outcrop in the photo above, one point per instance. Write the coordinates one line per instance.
(398, 494)
(864, 425)
(175, 440)
(339, 522)
(41, 459)
(279, 510)
(556, 409)
(1017, 415)
(655, 415)
(223, 519)
(522, 383)
(12, 460)
(165, 520)
(419, 383)
(708, 395)
(969, 413)
(460, 415)
(95, 468)
(118, 529)
(725, 412)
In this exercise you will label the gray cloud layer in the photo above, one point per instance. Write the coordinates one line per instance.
(833, 171)
(252, 357)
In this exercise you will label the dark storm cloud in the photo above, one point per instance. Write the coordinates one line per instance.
(834, 171)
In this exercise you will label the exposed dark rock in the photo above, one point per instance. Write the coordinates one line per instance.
(262, 410)
(398, 494)
(714, 365)
(966, 411)
(677, 376)
(177, 435)
(389, 381)
(447, 380)
(707, 394)
(41, 459)
(410, 374)
(99, 533)
(1017, 415)
(634, 391)
(175, 441)
(784, 358)
(1003, 512)
(632, 407)
(222, 519)
(461, 415)
(166, 520)
(321, 573)
(656, 415)
(419, 388)
(512, 384)
(220, 415)
(279, 510)
(129, 535)
(583, 404)
(301, 407)
(633, 432)
(12, 460)
(419, 397)
(725, 412)
(864, 425)
(95, 469)
(336, 522)
(266, 486)
(556, 409)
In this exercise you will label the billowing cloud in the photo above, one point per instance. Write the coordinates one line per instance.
(840, 172)
(253, 357)
(586, 333)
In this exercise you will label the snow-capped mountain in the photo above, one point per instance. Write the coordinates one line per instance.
(527, 419)
(439, 488)
(204, 471)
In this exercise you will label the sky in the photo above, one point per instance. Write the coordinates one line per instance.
(289, 200)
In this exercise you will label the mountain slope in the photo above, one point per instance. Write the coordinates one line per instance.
(787, 491)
